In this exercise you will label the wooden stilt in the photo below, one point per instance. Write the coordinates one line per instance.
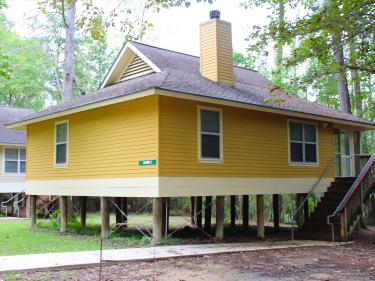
(219, 233)
(299, 200)
(306, 211)
(63, 214)
(371, 209)
(260, 216)
(32, 206)
(165, 217)
(245, 211)
(232, 211)
(276, 212)
(198, 210)
(124, 208)
(157, 212)
(105, 214)
(208, 213)
(117, 211)
(192, 210)
(83, 209)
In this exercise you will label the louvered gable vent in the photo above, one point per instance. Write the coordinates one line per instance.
(137, 67)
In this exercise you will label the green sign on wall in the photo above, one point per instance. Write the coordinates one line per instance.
(146, 162)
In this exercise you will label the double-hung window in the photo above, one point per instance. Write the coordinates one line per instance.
(14, 160)
(303, 146)
(61, 143)
(210, 135)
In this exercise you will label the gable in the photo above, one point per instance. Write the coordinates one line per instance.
(137, 67)
(130, 63)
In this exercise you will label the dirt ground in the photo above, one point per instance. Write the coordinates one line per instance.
(354, 261)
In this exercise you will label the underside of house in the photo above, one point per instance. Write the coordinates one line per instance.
(166, 124)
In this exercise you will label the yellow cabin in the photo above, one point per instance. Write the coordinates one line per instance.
(167, 124)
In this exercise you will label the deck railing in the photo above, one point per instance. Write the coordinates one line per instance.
(5, 204)
(352, 204)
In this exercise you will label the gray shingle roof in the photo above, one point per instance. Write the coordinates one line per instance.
(180, 73)
(10, 114)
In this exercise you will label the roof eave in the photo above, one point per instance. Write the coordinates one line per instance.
(192, 96)
(130, 96)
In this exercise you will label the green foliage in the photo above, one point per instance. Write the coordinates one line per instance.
(25, 69)
(246, 61)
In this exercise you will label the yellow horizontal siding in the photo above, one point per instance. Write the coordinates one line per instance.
(255, 143)
(106, 142)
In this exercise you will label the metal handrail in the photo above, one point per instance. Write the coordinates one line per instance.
(312, 189)
(16, 204)
(4, 203)
(357, 184)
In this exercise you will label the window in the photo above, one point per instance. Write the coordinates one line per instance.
(303, 143)
(14, 160)
(61, 143)
(210, 134)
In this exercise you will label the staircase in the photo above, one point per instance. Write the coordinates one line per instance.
(340, 209)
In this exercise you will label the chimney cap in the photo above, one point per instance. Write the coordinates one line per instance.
(215, 14)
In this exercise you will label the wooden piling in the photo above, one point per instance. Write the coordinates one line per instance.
(83, 210)
(232, 211)
(260, 216)
(192, 210)
(245, 211)
(157, 213)
(198, 210)
(32, 206)
(124, 208)
(219, 233)
(105, 215)
(276, 211)
(208, 213)
(63, 214)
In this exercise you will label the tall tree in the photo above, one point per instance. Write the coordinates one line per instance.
(69, 74)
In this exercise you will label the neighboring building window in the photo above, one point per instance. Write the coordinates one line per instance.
(61, 143)
(303, 143)
(14, 160)
(210, 134)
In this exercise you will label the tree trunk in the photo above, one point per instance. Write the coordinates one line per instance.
(342, 84)
(356, 82)
(69, 74)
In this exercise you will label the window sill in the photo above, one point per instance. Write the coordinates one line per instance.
(301, 164)
(60, 166)
(211, 161)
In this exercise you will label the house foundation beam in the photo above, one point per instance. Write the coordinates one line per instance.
(105, 215)
(207, 213)
(32, 210)
(219, 232)
(260, 216)
(245, 211)
(63, 214)
(157, 215)
(83, 210)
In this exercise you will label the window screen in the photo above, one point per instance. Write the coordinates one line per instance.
(210, 134)
(303, 143)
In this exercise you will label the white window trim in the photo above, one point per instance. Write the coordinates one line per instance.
(18, 160)
(61, 165)
(308, 164)
(210, 160)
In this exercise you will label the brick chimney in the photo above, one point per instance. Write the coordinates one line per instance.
(216, 54)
